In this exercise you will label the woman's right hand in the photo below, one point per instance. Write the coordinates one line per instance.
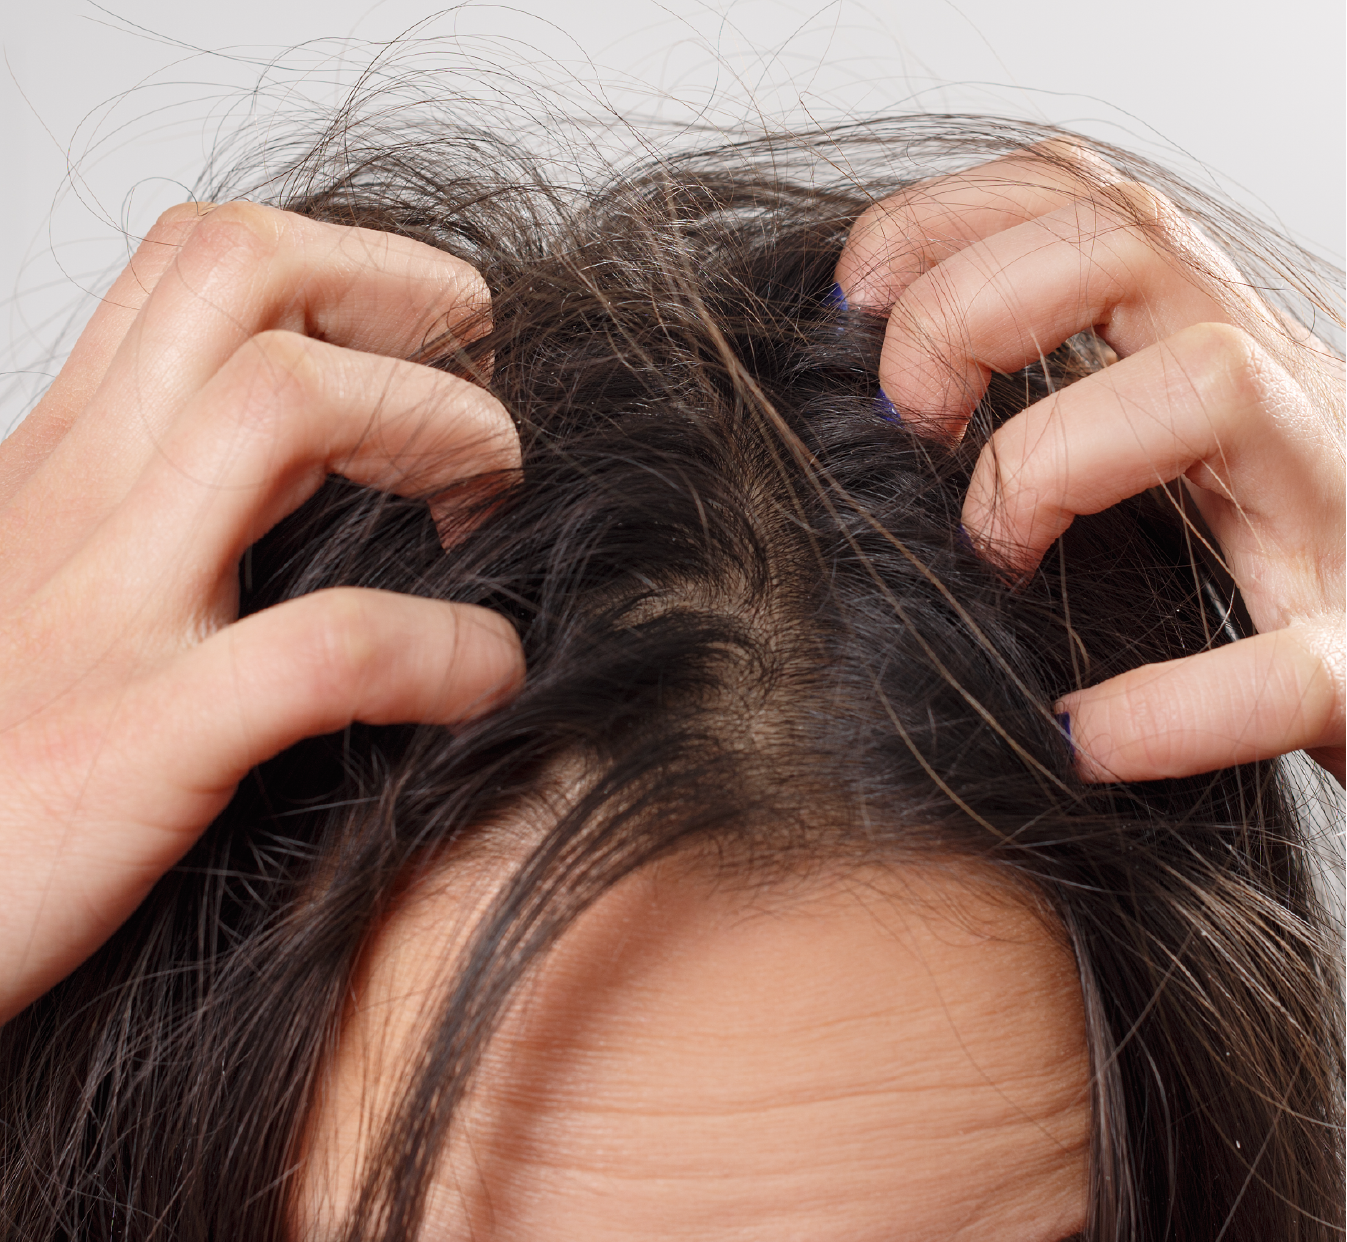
(987, 271)
(243, 355)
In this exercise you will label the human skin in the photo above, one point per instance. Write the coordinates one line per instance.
(875, 1055)
(245, 354)
(986, 271)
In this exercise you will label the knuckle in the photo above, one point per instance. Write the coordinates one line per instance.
(1157, 746)
(470, 298)
(1074, 156)
(1012, 475)
(340, 641)
(269, 378)
(289, 352)
(234, 233)
(888, 226)
(1324, 671)
(256, 217)
(881, 216)
(165, 238)
(931, 307)
(1223, 363)
(173, 225)
(1141, 204)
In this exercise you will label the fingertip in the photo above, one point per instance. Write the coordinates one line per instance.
(1073, 717)
(877, 263)
(1067, 715)
(1064, 724)
(315, 664)
(1241, 702)
(874, 285)
(1015, 564)
(488, 640)
(1072, 153)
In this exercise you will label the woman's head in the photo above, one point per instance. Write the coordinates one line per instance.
(785, 738)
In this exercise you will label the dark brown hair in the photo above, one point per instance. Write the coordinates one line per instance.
(715, 526)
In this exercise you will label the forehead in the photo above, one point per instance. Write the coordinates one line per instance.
(892, 1054)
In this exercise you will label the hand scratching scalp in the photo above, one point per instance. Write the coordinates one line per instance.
(758, 643)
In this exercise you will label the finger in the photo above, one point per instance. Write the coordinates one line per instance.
(895, 241)
(1207, 404)
(314, 665)
(306, 667)
(34, 438)
(262, 435)
(1003, 303)
(246, 269)
(1254, 699)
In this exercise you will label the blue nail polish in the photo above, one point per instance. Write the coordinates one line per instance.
(964, 541)
(886, 409)
(836, 298)
(1064, 723)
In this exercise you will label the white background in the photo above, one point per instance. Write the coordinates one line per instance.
(107, 113)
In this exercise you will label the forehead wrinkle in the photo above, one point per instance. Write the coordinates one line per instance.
(953, 919)
(588, 971)
(803, 1053)
(693, 1043)
(595, 1076)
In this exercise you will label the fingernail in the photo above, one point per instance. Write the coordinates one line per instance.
(964, 541)
(886, 409)
(1064, 723)
(836, 298)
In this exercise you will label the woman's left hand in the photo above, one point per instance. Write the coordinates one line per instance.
(989, 270)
